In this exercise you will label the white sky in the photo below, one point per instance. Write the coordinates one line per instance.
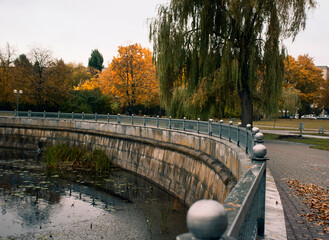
(71, 29)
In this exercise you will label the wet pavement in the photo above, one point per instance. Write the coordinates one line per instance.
(293, 161)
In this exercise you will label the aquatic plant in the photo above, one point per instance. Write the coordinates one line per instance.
(61, 155)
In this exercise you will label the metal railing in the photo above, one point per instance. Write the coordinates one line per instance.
(241, 136)
(244, 214)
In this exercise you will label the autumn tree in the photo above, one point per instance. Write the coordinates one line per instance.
(222, 46)
(96, 60)
(79, 74)
(324, 95)
(303, 76)
(131, 77)
(43, 79)
(7, 56)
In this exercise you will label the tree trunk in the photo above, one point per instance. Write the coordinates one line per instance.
(246, 107)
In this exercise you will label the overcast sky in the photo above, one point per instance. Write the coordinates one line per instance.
(71, 29)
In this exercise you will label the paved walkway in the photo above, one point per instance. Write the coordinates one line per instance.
(291, 161)
(285, 132)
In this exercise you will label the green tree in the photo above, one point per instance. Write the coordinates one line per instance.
(96, 60)
(89, 101)
(231, 48)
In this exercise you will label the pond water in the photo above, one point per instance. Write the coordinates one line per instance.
(37, 203)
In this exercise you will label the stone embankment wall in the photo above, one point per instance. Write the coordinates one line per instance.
(190, 166)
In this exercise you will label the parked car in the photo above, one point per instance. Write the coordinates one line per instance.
(309, 116)
(323, 116)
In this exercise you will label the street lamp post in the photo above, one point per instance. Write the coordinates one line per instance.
(17, 92)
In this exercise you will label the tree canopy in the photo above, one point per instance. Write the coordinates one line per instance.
(130, 78)
(306, 79)
(96, 60)
(215, 55)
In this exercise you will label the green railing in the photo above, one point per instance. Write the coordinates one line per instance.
(245, 204)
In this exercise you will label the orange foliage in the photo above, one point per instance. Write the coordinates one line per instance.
(131, 77)
(303, 76)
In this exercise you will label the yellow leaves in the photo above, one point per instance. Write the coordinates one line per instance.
(303, 76)
(131, 76)
(317, 198)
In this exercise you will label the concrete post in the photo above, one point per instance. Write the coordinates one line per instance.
(157, 121)
(29, 113)
(169, 122)
(83, 116)
(96, 117)
(144, 120)
(59, 114)
(108, 117)
(132, 119)
(44, 114)
(72, 114)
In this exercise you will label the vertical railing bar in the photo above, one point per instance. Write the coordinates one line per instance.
(118, 118)
(184, 119)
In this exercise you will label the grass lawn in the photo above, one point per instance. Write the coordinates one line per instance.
(317, 143)
(293, 123)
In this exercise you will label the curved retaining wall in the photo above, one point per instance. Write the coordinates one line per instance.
(190, 166)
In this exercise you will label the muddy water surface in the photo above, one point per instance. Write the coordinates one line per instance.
(37, 203)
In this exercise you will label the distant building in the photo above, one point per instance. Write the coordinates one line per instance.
(325, 71)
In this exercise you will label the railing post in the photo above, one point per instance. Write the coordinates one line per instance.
(132, 119)
(248, 128)
(229, 130)
(72, 115)
(59, 115)
(15, 113)
(96, 117)
(184, 123)
(220, 128)
(144, 121)
(157, 121)
(238, 134)
(44, 114)
(210, 127)
(169, 122)
(259, 152)
(108, 117)
(198, 125)
(29, 113)
(118, 118)
(83, 116)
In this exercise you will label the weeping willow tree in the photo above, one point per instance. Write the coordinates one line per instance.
(224, 53)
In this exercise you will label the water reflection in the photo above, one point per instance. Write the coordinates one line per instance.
(33, 198)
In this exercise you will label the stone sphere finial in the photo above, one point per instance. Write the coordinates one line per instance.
(207, 219)
(259, 136)
(259, 151)
(255, 130)
(248, 126)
